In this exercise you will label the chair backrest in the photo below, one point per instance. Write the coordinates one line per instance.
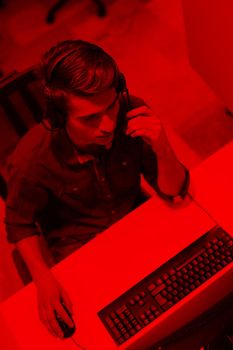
(21, 107)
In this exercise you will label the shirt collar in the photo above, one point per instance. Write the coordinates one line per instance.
(65, 150)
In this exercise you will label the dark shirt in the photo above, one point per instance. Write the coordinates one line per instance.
(51, 191)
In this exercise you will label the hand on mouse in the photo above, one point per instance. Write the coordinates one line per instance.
(50, 295)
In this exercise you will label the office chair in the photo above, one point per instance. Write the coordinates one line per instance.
(21, 107)
(51, 16)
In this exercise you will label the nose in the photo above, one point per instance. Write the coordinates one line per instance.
(106, 125)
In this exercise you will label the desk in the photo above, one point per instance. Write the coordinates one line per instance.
(106, 267)
(212, 186)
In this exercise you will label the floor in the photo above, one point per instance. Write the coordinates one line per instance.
(147, 39)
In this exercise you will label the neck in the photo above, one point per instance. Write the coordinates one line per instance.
(89, 150)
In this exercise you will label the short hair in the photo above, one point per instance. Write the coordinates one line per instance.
(86, 69)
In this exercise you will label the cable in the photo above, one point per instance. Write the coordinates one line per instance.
(200, 206)
(77, 344)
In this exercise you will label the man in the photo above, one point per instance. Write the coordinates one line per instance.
(79, 172)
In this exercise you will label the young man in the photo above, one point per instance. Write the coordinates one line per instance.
(79, 172)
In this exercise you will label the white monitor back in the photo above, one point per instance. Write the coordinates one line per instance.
(209, 32)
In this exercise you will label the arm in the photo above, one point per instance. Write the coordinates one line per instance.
(25, 199)
(37, 260)
(49, 291)
(161, 168)
(171, 173)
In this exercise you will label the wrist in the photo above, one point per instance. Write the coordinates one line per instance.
(42, 274)
(161, 146)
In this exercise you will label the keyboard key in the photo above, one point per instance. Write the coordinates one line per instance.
(158, 289)
(153, 308)
(168, 305)
(121, 309)
(151, 287)
(116, 332)
(165, 276)
(126, 336)
(109, 322)
(160, 299)
(151, 317)
(158, 281)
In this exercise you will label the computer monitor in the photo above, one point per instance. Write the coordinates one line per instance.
(208, 27)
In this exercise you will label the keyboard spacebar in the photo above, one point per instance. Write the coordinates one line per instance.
(157, 290)
(190, 259)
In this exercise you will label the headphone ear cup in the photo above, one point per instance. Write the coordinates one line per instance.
(121, 83)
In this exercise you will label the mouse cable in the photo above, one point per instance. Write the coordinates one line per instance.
(77, 344)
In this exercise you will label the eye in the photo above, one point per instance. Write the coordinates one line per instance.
(91, 117)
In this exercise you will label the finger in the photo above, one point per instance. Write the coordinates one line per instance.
(67, 301)
(43, 318)
(63, 314)
(144, 134)
(141, 132)
(53, 323)
(143, 123)
(142, 110)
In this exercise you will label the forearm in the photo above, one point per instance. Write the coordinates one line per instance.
(171, 173)
(34, 255)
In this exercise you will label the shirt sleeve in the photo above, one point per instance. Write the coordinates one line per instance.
(150, 173)
(25, 199)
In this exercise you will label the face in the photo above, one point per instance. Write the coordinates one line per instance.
(92, 120)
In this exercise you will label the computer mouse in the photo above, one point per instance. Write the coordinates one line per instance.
(67, 330)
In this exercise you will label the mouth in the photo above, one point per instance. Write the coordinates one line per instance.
(105, 138)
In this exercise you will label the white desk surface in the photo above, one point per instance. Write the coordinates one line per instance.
(212, 183)
(110, 264)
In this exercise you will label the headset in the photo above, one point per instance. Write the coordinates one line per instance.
(54, 115)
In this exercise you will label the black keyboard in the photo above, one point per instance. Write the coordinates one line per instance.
(167, 285)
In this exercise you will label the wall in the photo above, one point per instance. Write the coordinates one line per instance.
(209, 32)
